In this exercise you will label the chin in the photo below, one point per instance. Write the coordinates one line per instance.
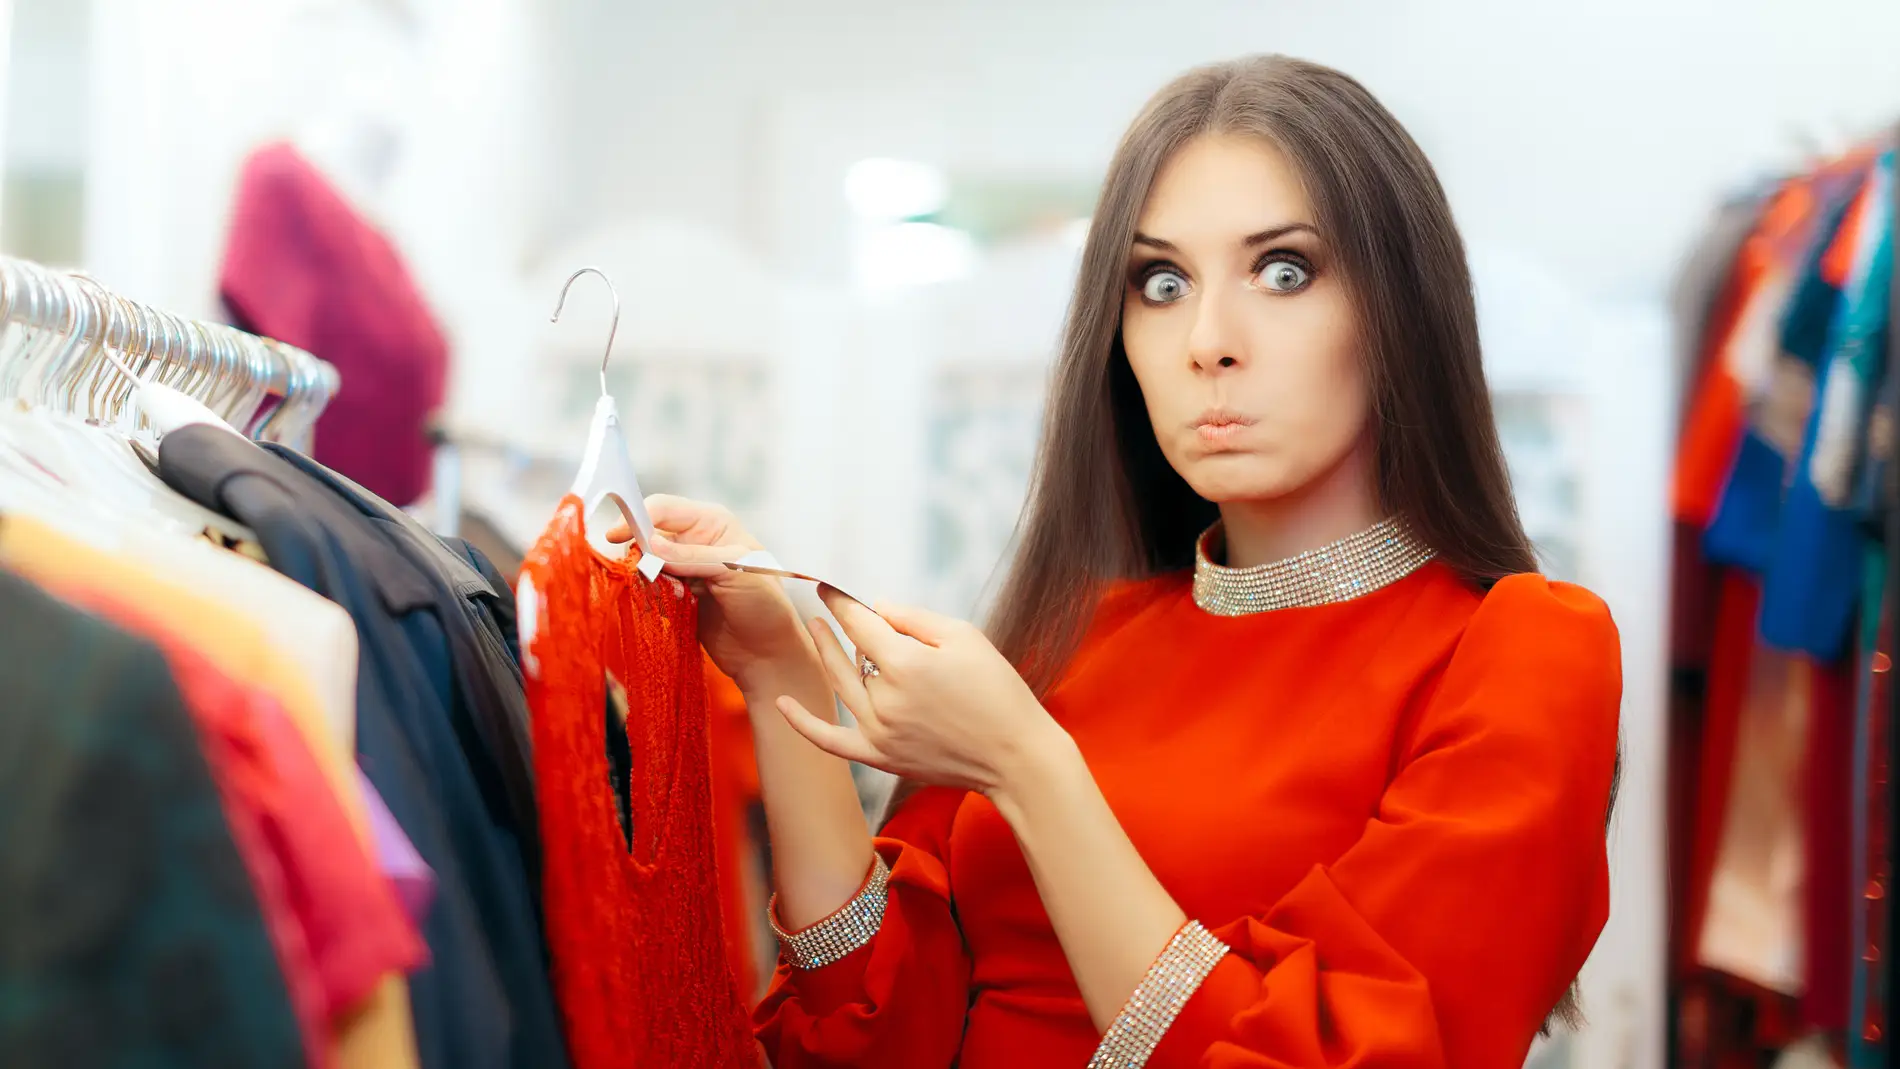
(1226, 477)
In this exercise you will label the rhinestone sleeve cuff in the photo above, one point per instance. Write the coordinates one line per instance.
(841, 933)
(1171, 981)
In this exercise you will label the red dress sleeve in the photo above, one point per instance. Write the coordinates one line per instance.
(1447, 933)
(902, 998)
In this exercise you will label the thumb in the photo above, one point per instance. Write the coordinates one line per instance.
(681, 516)
(695, 562)
(925, 626)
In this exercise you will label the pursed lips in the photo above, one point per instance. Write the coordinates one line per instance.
(1219, 426)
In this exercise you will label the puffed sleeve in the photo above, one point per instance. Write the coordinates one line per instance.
(902, 998)
(1447, 933)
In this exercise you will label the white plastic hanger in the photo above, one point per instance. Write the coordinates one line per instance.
(606, 469)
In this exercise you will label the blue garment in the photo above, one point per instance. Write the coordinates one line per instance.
(1748, 517)
(1813, 579)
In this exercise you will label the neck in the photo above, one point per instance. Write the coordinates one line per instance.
(1343, 502)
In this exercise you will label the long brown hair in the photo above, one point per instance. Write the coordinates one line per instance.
(1104, 502)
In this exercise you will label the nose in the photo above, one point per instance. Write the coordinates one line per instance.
(1213, 343)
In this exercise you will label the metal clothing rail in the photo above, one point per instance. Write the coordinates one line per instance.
(69, 344)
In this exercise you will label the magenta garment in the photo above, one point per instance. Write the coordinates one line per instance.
(412, 878)
(303, 267)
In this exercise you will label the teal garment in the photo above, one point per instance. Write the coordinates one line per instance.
(1868, 984)
(130, 936)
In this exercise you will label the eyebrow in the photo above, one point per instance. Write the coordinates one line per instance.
(1272, 233)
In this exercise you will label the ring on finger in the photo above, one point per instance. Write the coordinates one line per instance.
(867, 668)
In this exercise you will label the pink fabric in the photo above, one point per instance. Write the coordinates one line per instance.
(357, 929)
(410, 876)
(302, 266)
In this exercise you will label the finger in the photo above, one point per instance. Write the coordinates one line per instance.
(866, 629)
(619, 533)
(834, 739)
(929, 628)
(694, 562)
(847, 680)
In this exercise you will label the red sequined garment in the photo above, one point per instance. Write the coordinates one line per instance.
(636, 936)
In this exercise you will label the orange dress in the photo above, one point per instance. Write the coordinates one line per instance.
(1391, 808)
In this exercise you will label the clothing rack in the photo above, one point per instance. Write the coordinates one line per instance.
(1787, 567)
(84, 350)
(1881, 975)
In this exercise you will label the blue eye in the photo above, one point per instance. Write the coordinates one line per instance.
(1284, 276)
(1164, 287)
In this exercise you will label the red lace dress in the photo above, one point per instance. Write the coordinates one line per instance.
(635, 931)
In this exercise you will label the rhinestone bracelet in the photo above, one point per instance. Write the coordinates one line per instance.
(841, 933)
(1171, 981)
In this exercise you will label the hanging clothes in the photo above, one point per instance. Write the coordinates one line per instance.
(1813, 574)
(1747, 517)
(347, 952)
(485, 999)
(480, 625)
(1782, 463)
(631, 881)
(738, 817)
(303, 266)
(129, 933)
(311, 840)
(1871, 823)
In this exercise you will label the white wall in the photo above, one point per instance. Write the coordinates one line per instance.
(184, 89)
(48, 107)
(6, 67)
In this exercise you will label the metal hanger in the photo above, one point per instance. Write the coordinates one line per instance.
(311, 385)
(87, 445)
(71, 346)
(167, 408)
(606, 472)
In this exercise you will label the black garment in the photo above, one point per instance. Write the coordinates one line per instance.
(482, 637)
(485, 1000)
(130, 935)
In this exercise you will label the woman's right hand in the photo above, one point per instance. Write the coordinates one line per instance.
(747, 624)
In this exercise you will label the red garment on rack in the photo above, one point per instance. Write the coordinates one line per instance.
(1827, 833)
(304, 267)
(735, 779)
(636, 936)
(1733, 647)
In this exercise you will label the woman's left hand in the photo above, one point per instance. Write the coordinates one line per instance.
(945, 707)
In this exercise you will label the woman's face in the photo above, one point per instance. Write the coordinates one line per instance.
(1239, 330)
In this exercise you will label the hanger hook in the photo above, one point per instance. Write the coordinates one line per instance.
(611, 330)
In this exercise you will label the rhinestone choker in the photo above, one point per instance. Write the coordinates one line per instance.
(1354, 566)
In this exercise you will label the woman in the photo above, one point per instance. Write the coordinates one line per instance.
(1281, 754)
